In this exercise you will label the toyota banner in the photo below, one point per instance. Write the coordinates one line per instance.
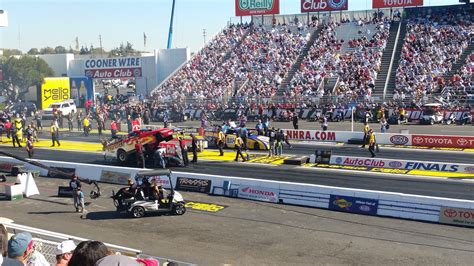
(395, 3)
(323, 5)
(256, 7)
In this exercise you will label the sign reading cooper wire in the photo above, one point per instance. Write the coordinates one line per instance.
(323, 5)
(119, 67)
(353, 204)
(194, 184)
(259, 193)
(256, 7)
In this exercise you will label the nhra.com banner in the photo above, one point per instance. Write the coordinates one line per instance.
(395, 3)
(323, 5)
(353, 204)
(256, 7)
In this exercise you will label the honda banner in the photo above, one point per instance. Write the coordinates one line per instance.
(396, 3)
(259, 193)
(323, 5)
(256, 7)
(443, 141)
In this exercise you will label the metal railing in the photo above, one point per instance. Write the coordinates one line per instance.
(45, 242)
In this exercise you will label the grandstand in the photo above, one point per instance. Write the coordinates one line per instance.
(402, 55)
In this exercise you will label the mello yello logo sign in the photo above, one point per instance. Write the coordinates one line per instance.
(256, 7)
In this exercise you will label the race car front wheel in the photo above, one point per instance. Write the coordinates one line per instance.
(121, 156)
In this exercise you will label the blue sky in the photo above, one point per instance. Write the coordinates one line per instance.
(40, 23)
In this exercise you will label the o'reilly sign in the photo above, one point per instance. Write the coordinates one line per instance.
(256, 7)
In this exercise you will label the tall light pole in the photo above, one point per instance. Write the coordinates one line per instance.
(204, 35)
(170, 33)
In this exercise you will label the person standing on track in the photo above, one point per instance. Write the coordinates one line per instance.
(85, 124)
(366, 134)
(238, 147)
(75, 184)
(30, 147)
(54, 134)
(113, 129)
(220, 141)
(79, 120)
(295, 121)
(15, 132)
(372, 142)
(69, 122)
(139, 154)
(194, 148)
(184, 150)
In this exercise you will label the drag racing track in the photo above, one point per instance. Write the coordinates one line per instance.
(248, 232)
(458, 189)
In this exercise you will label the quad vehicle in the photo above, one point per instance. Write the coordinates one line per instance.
(142, 201)
(431, 114)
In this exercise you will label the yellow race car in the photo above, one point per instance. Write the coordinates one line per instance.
(254, 141)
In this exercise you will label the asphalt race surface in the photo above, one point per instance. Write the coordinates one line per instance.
(458, 189)
(249, 233)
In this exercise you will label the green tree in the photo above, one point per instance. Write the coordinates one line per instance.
(47, 50)
(124, 50)
(10, 52)
(60, 50)
(21, 73)
(33, 51)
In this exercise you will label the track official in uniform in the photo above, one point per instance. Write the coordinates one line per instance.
(238, 147)
(220, 141)
(372, 142)
(366, 133)
(30, 147)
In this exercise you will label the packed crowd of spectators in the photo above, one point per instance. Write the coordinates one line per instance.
(432, 45)
(266, 56)
(356, 69)
(202, 76)
(460, 85)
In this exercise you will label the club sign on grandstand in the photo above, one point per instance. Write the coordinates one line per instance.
(323, 5)
(395, 3)
(120, 67)
(256, 7)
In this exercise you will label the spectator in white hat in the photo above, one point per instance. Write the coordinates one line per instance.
(64, 252)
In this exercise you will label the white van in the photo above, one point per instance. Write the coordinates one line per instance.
(65, 107)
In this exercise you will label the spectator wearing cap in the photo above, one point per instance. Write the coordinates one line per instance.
(64, 252)
(20, 246)
(4, 260)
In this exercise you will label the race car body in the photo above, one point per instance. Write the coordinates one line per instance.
(254, 141)
(123, 148)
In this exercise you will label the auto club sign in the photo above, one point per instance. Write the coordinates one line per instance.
(119, 67)
(256, 7)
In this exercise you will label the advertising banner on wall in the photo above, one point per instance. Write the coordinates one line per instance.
(193, 184)
(395, 3)
(456, 216)
(119, 67)
(443, 141)
(323, 5)
(353, 204)
(54, 90)
(82, 88)
(259, 193)
(256, 7)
